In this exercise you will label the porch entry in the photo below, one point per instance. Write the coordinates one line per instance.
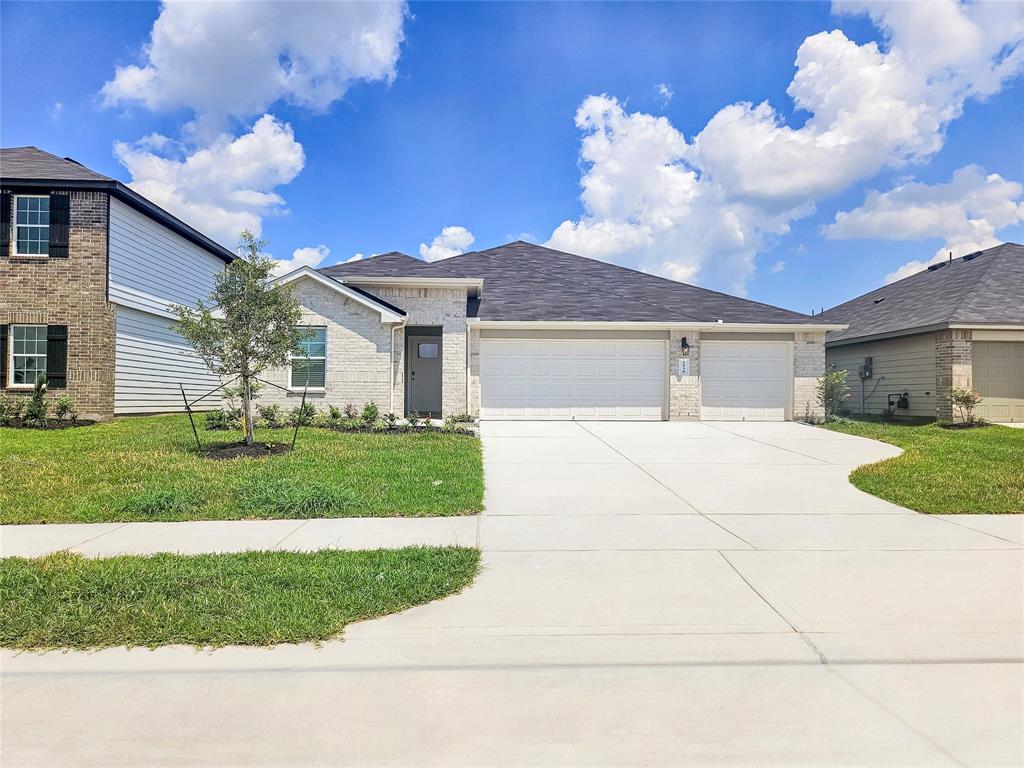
(423, 350)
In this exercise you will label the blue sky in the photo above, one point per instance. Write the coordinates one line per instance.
(466, 116)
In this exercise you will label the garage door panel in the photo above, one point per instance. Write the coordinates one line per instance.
(998, 374)
(745, 381)
(572, 379)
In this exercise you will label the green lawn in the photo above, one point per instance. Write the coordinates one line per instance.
(147, 469)
(944, 471)
(252, 598)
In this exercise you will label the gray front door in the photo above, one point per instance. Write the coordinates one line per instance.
(424, 366)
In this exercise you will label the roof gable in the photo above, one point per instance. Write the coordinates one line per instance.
(389, 313)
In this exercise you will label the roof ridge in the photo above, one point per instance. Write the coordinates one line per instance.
(984, 278)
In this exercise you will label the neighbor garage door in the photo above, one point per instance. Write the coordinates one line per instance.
(998, 375)
(745, 380)
(571, 379)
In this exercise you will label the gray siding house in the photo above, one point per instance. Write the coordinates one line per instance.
(958, 323)
(526, 332)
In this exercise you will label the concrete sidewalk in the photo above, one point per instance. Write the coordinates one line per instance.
(106, 539)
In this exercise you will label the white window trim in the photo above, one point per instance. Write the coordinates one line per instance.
(10, 353)
(292, 357)
(14, 229)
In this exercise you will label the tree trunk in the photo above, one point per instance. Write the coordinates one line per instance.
(247, 410)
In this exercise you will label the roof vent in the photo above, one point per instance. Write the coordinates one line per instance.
(879, 301)
(971, 256)
(933, 267)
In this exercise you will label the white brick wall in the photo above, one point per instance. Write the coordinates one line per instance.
(445, 307)
(683, 391)
(358, 348)
(808, 366)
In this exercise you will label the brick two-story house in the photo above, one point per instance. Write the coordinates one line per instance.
(89, 270)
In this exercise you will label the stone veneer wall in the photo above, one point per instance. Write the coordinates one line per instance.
(808, 367)
(683, 391)
(953, 368)
(71, 292)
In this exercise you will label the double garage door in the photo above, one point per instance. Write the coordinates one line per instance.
(627, 379)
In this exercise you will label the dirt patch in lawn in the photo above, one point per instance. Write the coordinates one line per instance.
(241, 450)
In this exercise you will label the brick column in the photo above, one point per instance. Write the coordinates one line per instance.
(808, 367)
(953, 368)
(683, 391)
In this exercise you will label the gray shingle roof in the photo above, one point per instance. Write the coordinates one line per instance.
(527, 282)
(33, 163)
(985, 290)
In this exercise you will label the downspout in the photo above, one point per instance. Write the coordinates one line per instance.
(392, 362)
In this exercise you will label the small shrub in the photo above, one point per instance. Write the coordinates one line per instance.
(223, 419)
(270, 416)
(832, 390)
(370, 413)
(321, 419)
(966, 400)
(391, 420)
(413, 419)
(281, 497)
(301, 415)
(11, 409)
(460, 418)
(161, 502)
(351, 412)
(65, 409)
(452, 424)
(35, 411)
(334, 413)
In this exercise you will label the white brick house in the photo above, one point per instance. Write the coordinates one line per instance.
(525, 332)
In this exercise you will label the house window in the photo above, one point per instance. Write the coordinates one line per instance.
(28, 354)
(32, 225)
(309, 361)
(427, 351)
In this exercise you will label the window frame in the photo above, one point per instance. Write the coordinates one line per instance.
(306, 357)
(11, 355)
(15, 225)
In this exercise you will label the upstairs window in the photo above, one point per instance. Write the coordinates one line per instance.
(32, 225)
(28, 354)
(309, 361)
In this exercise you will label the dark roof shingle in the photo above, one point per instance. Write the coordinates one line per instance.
(986, 289)
(527, 282)
(32, 163)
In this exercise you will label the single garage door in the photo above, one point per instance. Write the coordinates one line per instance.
(998, 375)
(745, 380)
(572, 379)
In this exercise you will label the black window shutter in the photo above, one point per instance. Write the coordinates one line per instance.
(57, 356)
(3, 356)
(5, 224)
(60, 225)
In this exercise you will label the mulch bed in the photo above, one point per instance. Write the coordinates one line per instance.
(963, 425)
(241, 450)
(50, 424)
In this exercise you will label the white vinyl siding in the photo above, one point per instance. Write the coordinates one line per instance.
(572, 379)
(152, 267)
(746, 380)
(903, 363)
(151, 361)
(998, 375)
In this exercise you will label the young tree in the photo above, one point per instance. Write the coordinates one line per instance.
(248, 325)
(966, 400)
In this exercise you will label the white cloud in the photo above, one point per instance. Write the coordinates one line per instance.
(966, 212)
(707, 206)
(356, 257)
(237, 58)
(56, 110)
(451, 242)
(777, 267)
(222, 188)
(665, 93)
(311, 257)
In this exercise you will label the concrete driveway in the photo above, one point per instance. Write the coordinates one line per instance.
(652, 594)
